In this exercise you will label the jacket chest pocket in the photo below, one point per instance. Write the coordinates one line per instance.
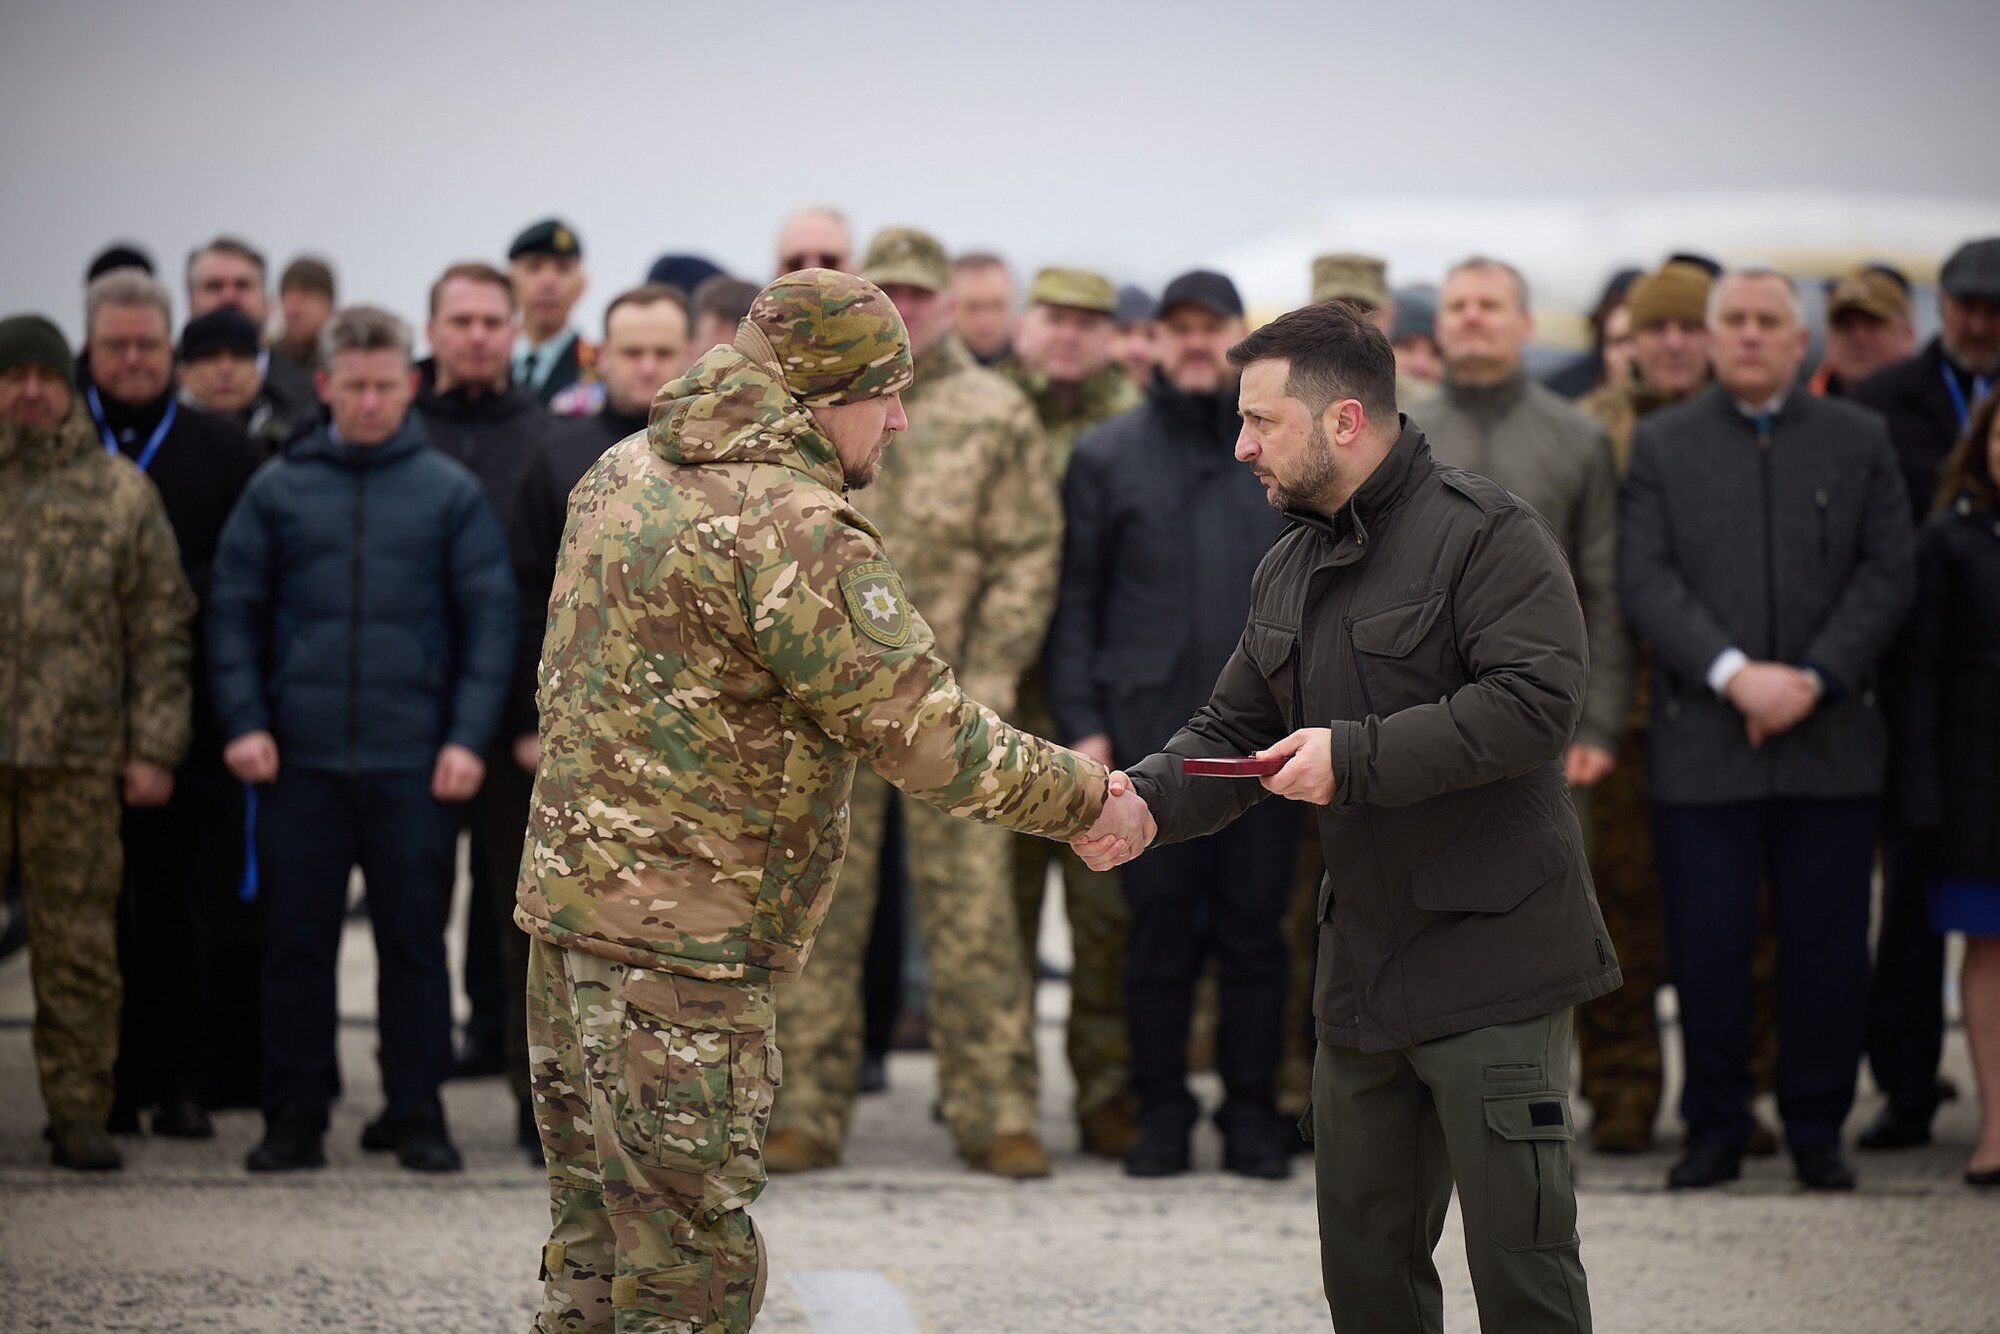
(1274, 649)
(1401, 657)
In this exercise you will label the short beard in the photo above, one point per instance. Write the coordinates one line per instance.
(859, 475)
(1966, 361)
(1315, 488)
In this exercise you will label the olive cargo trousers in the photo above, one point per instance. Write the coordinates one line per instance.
(1393, 1132)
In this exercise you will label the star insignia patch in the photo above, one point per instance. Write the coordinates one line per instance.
(876, 602)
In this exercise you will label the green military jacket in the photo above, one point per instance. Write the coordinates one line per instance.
(968, 508)
(1065, 415)
(726, 638)
(94, 609)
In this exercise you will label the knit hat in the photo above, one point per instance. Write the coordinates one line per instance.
(224, 329)
(31, 340)
(835, 337)
(1677, 290)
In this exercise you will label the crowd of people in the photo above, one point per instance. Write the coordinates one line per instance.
(278, 591)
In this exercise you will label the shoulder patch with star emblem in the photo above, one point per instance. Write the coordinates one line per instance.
(876, 601)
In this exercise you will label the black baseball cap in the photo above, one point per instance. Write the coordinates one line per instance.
(1206, 288)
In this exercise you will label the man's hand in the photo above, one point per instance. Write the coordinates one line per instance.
(458, 774)
(253, 757)
(1587, 766)
(1772, 697)
(1308, 773)
(1097, 746)
(147, 783)
(1123, 830)
(528, 752)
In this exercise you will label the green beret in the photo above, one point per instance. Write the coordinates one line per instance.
(1362, 279)
(31, 340)
(1079, 288)
(836, 336)
(908, 256)
(550, 236)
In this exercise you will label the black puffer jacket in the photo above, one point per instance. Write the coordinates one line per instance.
(1948, 700)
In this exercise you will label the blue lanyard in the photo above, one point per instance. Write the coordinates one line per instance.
(153, 441)
(1980, 384)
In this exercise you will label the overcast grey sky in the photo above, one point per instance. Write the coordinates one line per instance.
(1141, 138)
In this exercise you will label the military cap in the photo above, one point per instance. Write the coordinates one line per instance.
(550, 236)
(32, 340)
(836, 337)
(1079, 288)
(224, 329)
(908, 256)
(686, 272)
(1677, 290)
(1973, 271)
(1362, 279)
(1869, 293)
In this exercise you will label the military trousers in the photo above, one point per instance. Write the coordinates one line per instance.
(1097, 1043)
(652, 1094)
(980, 999)
(1486, 1112)
(1618, 1032)
(62, 825)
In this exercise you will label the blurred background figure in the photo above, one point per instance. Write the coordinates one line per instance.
(1584, 373)
(1136, 344)
(720, 304)
(1868, 327)
(815, 238)
(1413, 336)
(545, 263)
(230, 272)
(982, 297)
(305, 302)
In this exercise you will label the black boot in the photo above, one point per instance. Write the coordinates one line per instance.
(1706, 1165)
(1821, 1168)
(1257, 1143)
(1892, 1129)
(425, 1147)
(1162, 1150)
(293, 1141)
(479, 1054)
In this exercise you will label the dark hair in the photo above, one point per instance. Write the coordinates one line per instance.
(307, 273)
(479, 271)
(648, 294)
(1333, 353)
(725, 297)
(226, 245)
(1968, 469)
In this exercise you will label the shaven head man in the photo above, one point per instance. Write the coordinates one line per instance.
(815, 238)
(1318, 403)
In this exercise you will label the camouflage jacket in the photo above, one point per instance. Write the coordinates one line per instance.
(726, 638)
(1064, 416)
(94, 609)
(1618, 408)
(968, 508)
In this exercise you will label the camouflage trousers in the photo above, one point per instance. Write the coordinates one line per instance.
(1098, 1047)
(652, 1093)
(980, 998)
(63, 827)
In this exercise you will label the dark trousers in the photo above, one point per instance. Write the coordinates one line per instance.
(1224, 897)
(882, 967)
(313, 828)
(1817, 856)
(183, 862)
(499, 831)
(1906, 1001)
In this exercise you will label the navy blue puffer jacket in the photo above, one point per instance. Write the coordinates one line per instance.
(362, 608)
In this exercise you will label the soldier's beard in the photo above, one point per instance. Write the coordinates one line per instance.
(860, 474)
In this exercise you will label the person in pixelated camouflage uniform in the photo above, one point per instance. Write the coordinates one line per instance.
(967, 505)
(726, 639)
(94, 654)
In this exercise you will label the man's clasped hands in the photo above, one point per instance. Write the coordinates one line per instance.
(1125, 826)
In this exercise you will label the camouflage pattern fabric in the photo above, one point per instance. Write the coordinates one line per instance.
(652, 1093)
(707, 685)
(94, 609)
(967, 506)
(980, 1003)
(1068, 410)
(837, 339)
(63, 827)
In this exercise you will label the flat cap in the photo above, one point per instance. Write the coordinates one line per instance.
(1362, 279)
(1079, 288)
(1973, 270)
(836, 337)
(550, 236)
(907, 256)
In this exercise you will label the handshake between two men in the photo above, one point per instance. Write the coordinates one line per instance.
(1125, 827)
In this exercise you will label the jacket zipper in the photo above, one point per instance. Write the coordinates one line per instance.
(1360, 668)
(1770, 544)
(1298, 688)
(354, 630)
(1821, 500)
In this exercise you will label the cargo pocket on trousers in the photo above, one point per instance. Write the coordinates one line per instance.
(673, 1103)
(1530, 1196)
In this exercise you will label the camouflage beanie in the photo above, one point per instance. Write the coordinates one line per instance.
(1677, 291)
(832, 337)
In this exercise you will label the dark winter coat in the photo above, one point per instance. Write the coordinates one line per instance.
(1923, 419)
(1432, 625)
(492, 434)
(362, 609)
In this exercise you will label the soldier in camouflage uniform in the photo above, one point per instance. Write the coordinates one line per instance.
(1063, 362)
(966, 504)
(94, 652)
(726, 638)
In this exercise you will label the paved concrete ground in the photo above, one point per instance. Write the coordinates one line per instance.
(901, 1238)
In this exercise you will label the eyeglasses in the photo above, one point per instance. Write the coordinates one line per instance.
(809, 259)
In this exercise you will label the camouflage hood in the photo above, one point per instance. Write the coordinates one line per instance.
(728, 408)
